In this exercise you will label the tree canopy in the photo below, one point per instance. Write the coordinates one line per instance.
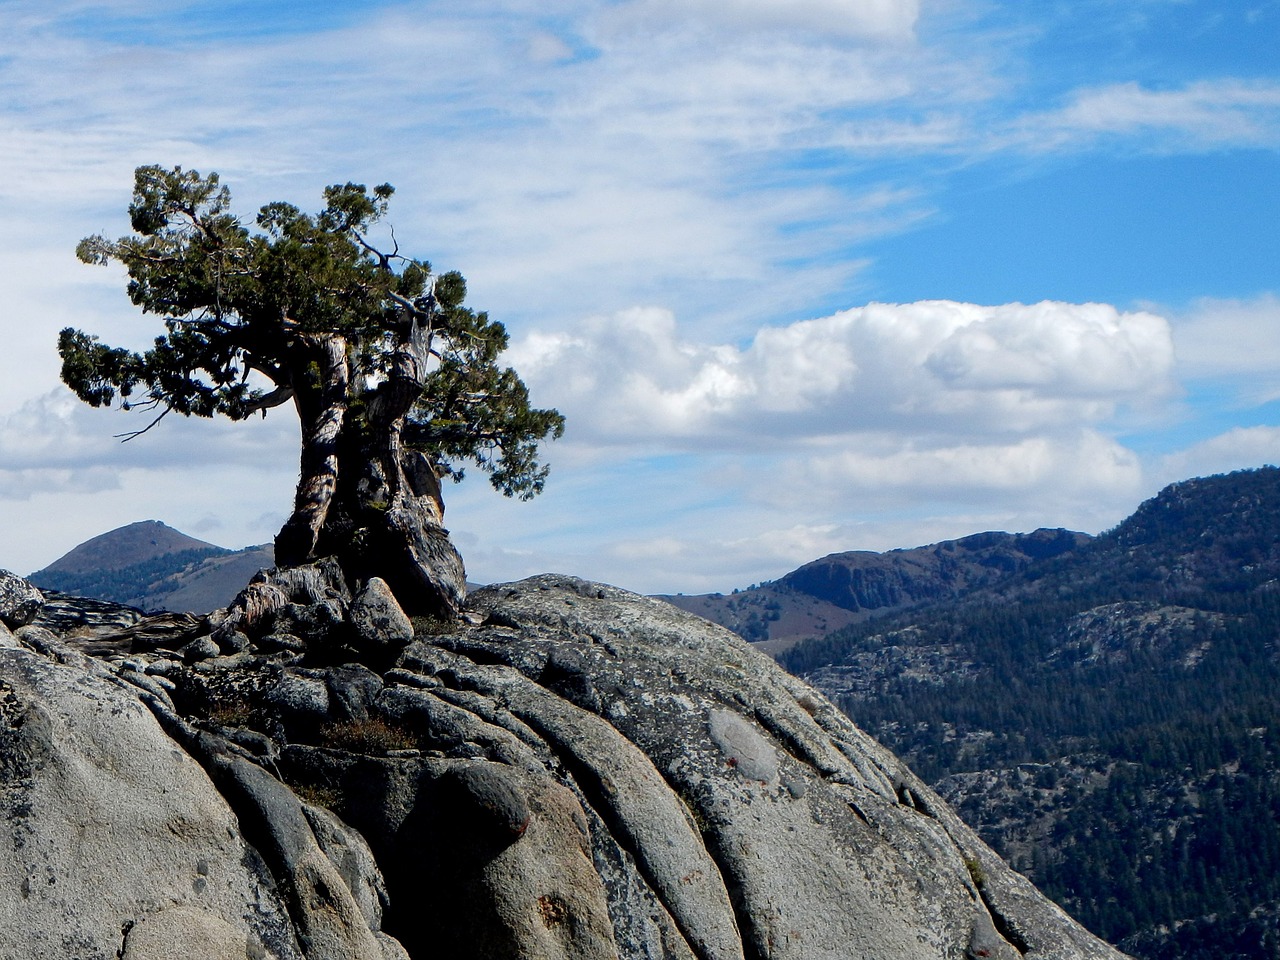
(395, 381)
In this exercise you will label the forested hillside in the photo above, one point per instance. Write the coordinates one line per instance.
(851, 587)
(1109, 719)
(154, 567)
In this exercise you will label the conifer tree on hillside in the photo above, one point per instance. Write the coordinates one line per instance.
(395, 382)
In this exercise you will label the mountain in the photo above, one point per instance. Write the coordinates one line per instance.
(1107, 718)
(124, 547)
(153, 567)
(846, 588)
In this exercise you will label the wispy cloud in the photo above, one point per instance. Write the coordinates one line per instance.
(877, 20)
(1203, 115)
(1235, 449)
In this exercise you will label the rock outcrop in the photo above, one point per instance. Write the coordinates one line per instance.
(571, 772)
(20, 601)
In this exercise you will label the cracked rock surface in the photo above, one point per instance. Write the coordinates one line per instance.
(572, 772)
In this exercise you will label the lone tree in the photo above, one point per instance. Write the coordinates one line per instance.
(395, 382)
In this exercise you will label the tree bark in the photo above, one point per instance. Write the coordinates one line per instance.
(399, 512)
(362, 497)
(321, 381)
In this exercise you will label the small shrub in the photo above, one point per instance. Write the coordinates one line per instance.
(318, 795)
(372, 736)
(976, 873)
(230, 714)
(431, 626)
(808, 704)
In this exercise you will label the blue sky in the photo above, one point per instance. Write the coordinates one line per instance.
(804, 275)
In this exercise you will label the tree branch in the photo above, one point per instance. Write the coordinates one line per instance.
(126, 437)
(268, 400)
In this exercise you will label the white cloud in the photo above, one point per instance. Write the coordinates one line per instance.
(844, 19)
(714, 520)
(694, 464)
(918, 368)
(1072, 465)
(1218, 337)
(55, 430)
(1078, 350)
(1239, 448)
(1203, 114)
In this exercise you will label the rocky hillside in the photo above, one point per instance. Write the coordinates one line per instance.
(154, 567)
(1107, 719)
(573, 772)
(205, 585)
(846, 588)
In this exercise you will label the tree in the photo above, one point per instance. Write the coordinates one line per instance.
(395, 382)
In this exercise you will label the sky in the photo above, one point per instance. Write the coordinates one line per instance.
(804, 276)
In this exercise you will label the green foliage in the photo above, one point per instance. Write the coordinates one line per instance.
(976, 873)
(243, 308)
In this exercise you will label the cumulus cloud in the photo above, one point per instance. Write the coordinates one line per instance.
(1073, 464)
(919, 368)
(884, 425)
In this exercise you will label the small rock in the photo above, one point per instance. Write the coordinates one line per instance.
(492, 800)
(352, 689)
(162, 667)
(300, 699)
(797, 788)
(233, 641)
(201, 648)
(277, 642)
(315, 621)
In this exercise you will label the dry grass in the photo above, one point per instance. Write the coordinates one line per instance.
(373, 736)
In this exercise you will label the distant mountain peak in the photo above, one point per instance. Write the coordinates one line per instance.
(125, 546)
(152, 566)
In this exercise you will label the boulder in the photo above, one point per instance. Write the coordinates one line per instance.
(20, 601)
(723, 808)
(760, 819)
(381, 627)
(108, 826)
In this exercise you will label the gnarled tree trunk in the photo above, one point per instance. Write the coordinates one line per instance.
(362, 497)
